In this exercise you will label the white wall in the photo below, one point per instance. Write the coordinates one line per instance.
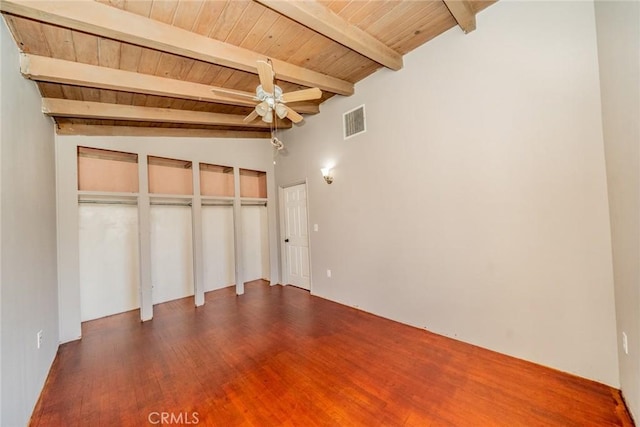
(29, 297)
(3, 35)
(255, 242)
(255, 154)
(171, 253)
(217, 242)
(108, 248)
(618, 28)
(475, 205)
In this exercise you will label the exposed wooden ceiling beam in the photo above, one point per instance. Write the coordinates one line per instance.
(102, 130)
(96, 18)
(102, 111)
(45, 69)
(322, 20)
(463, 13)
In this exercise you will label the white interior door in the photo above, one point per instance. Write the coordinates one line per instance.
(296, 236)
(217, 247)
(171, 253)
(109, 274)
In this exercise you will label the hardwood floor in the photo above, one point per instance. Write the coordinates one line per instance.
(278, 356)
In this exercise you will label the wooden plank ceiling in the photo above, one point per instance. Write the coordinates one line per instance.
(147, 67)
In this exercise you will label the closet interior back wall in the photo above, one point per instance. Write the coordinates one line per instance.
(109, 270)
(218, 247)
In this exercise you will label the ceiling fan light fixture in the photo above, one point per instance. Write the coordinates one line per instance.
(272, 101)
(281, 111)
(262, 108)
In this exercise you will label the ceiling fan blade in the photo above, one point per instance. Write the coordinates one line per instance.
(302, 95)
(251, 117)
(232, 92)
(265, 72)
(292, 115)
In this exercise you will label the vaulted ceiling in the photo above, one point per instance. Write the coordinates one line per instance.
(151, 67)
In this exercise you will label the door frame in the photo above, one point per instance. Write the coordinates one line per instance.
(283, 253)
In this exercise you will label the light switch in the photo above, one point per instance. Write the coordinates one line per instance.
(315, 227)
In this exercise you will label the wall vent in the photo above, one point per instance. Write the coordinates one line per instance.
(354, 122)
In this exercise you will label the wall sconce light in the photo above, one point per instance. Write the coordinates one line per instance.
(326, 174)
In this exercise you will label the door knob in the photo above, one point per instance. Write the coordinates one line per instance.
(286, 240)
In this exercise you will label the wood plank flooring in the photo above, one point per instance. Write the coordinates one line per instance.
(279, 356)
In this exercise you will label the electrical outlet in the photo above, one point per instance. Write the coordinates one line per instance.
(315, 227)
(329, 273)
(39, 336)
(625, 343)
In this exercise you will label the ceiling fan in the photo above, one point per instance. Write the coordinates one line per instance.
(270, 99)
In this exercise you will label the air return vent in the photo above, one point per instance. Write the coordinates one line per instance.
(354, 122)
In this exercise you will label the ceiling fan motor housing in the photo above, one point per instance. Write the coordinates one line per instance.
(271, 98)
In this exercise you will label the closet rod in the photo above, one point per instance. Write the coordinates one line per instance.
(218, 204)
(254, 204)
(109, 202)
(170, 204)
